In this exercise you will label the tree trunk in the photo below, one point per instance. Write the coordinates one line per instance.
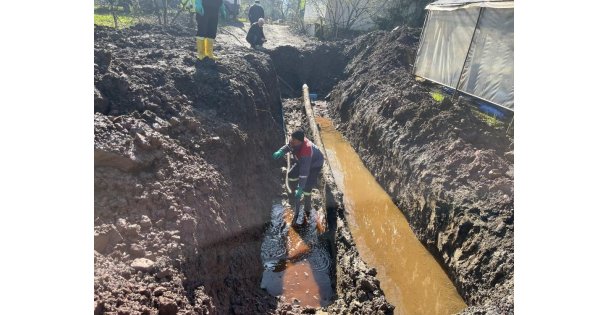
(157, 11)
(113, 10)
(165, 18)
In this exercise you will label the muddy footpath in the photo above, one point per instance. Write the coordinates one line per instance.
(185, 183)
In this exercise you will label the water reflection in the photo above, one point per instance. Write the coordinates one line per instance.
(409, 275)
(297, 262)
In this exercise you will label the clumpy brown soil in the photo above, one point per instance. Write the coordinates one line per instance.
(448, 171)
(183, 174)
(184, 181)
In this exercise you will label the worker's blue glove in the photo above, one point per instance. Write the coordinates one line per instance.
(223, 11)
(198, 7)
(299, 193)
(278, 154)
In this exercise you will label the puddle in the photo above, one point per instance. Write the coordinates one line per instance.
(297, 263)
(409, 275)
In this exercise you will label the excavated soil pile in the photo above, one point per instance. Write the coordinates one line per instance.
(183, 174)
(450, 172)
(184, 182)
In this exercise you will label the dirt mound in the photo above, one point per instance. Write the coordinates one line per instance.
(182, 174)
(448, 169)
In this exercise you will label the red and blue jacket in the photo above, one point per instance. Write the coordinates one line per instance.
(308, 155)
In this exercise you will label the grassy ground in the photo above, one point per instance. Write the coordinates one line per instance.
(104, 17)
(108, 20)
(490, 120)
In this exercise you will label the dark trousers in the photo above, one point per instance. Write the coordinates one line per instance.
(207, 24)
(311, 182)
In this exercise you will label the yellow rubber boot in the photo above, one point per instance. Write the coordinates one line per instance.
(209, 48)
(200, 48)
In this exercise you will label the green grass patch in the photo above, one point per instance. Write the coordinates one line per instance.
(437, 96)
(108, 20)
(491, 121)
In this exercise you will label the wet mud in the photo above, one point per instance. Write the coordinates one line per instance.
(297, 262)
(449, 170)
(182, 174)
(186, 216)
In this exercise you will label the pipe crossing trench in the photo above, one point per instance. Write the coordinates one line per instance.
(297, 263)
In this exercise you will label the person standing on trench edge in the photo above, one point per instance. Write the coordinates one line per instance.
(303, 174)
(207, 16)
(256, 11)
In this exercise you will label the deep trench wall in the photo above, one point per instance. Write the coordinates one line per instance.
(182, 172)
(320, 66)
(448, 171)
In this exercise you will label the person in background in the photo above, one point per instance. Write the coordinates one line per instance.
(256, 11)
(303, 174)
(207, 16)
(255, 35)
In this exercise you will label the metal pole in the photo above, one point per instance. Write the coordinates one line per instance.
(426, 17)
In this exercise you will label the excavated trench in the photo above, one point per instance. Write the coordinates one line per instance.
(189, 214)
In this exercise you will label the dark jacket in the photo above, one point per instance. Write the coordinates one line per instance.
(212, 3)
(308, 155)
(255, 13)
(255, 35)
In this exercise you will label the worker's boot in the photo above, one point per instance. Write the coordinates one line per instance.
(200, 48)
(298, 215)
(307, 206)
(209, 48)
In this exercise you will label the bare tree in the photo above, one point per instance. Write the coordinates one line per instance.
(343, 14)
(113, 4)
(401, 12)
(165, 16)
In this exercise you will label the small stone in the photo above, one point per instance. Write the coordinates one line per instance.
(101, 241)
(143, 264)
(133, 230)
(159, 291)
(137, 251)
(167, 306)
(150, 255)
(121, 224)
(145, 222)
(164, 273)
(494, 173)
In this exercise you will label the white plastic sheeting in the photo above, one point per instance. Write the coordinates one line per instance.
(470, 49)
(460, 4)
(445, 45)
(488, 71)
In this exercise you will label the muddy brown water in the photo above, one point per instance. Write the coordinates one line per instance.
(411, 278)
(297, 263)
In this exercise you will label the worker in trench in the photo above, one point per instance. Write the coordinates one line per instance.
(207, 17)
(303, 174)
